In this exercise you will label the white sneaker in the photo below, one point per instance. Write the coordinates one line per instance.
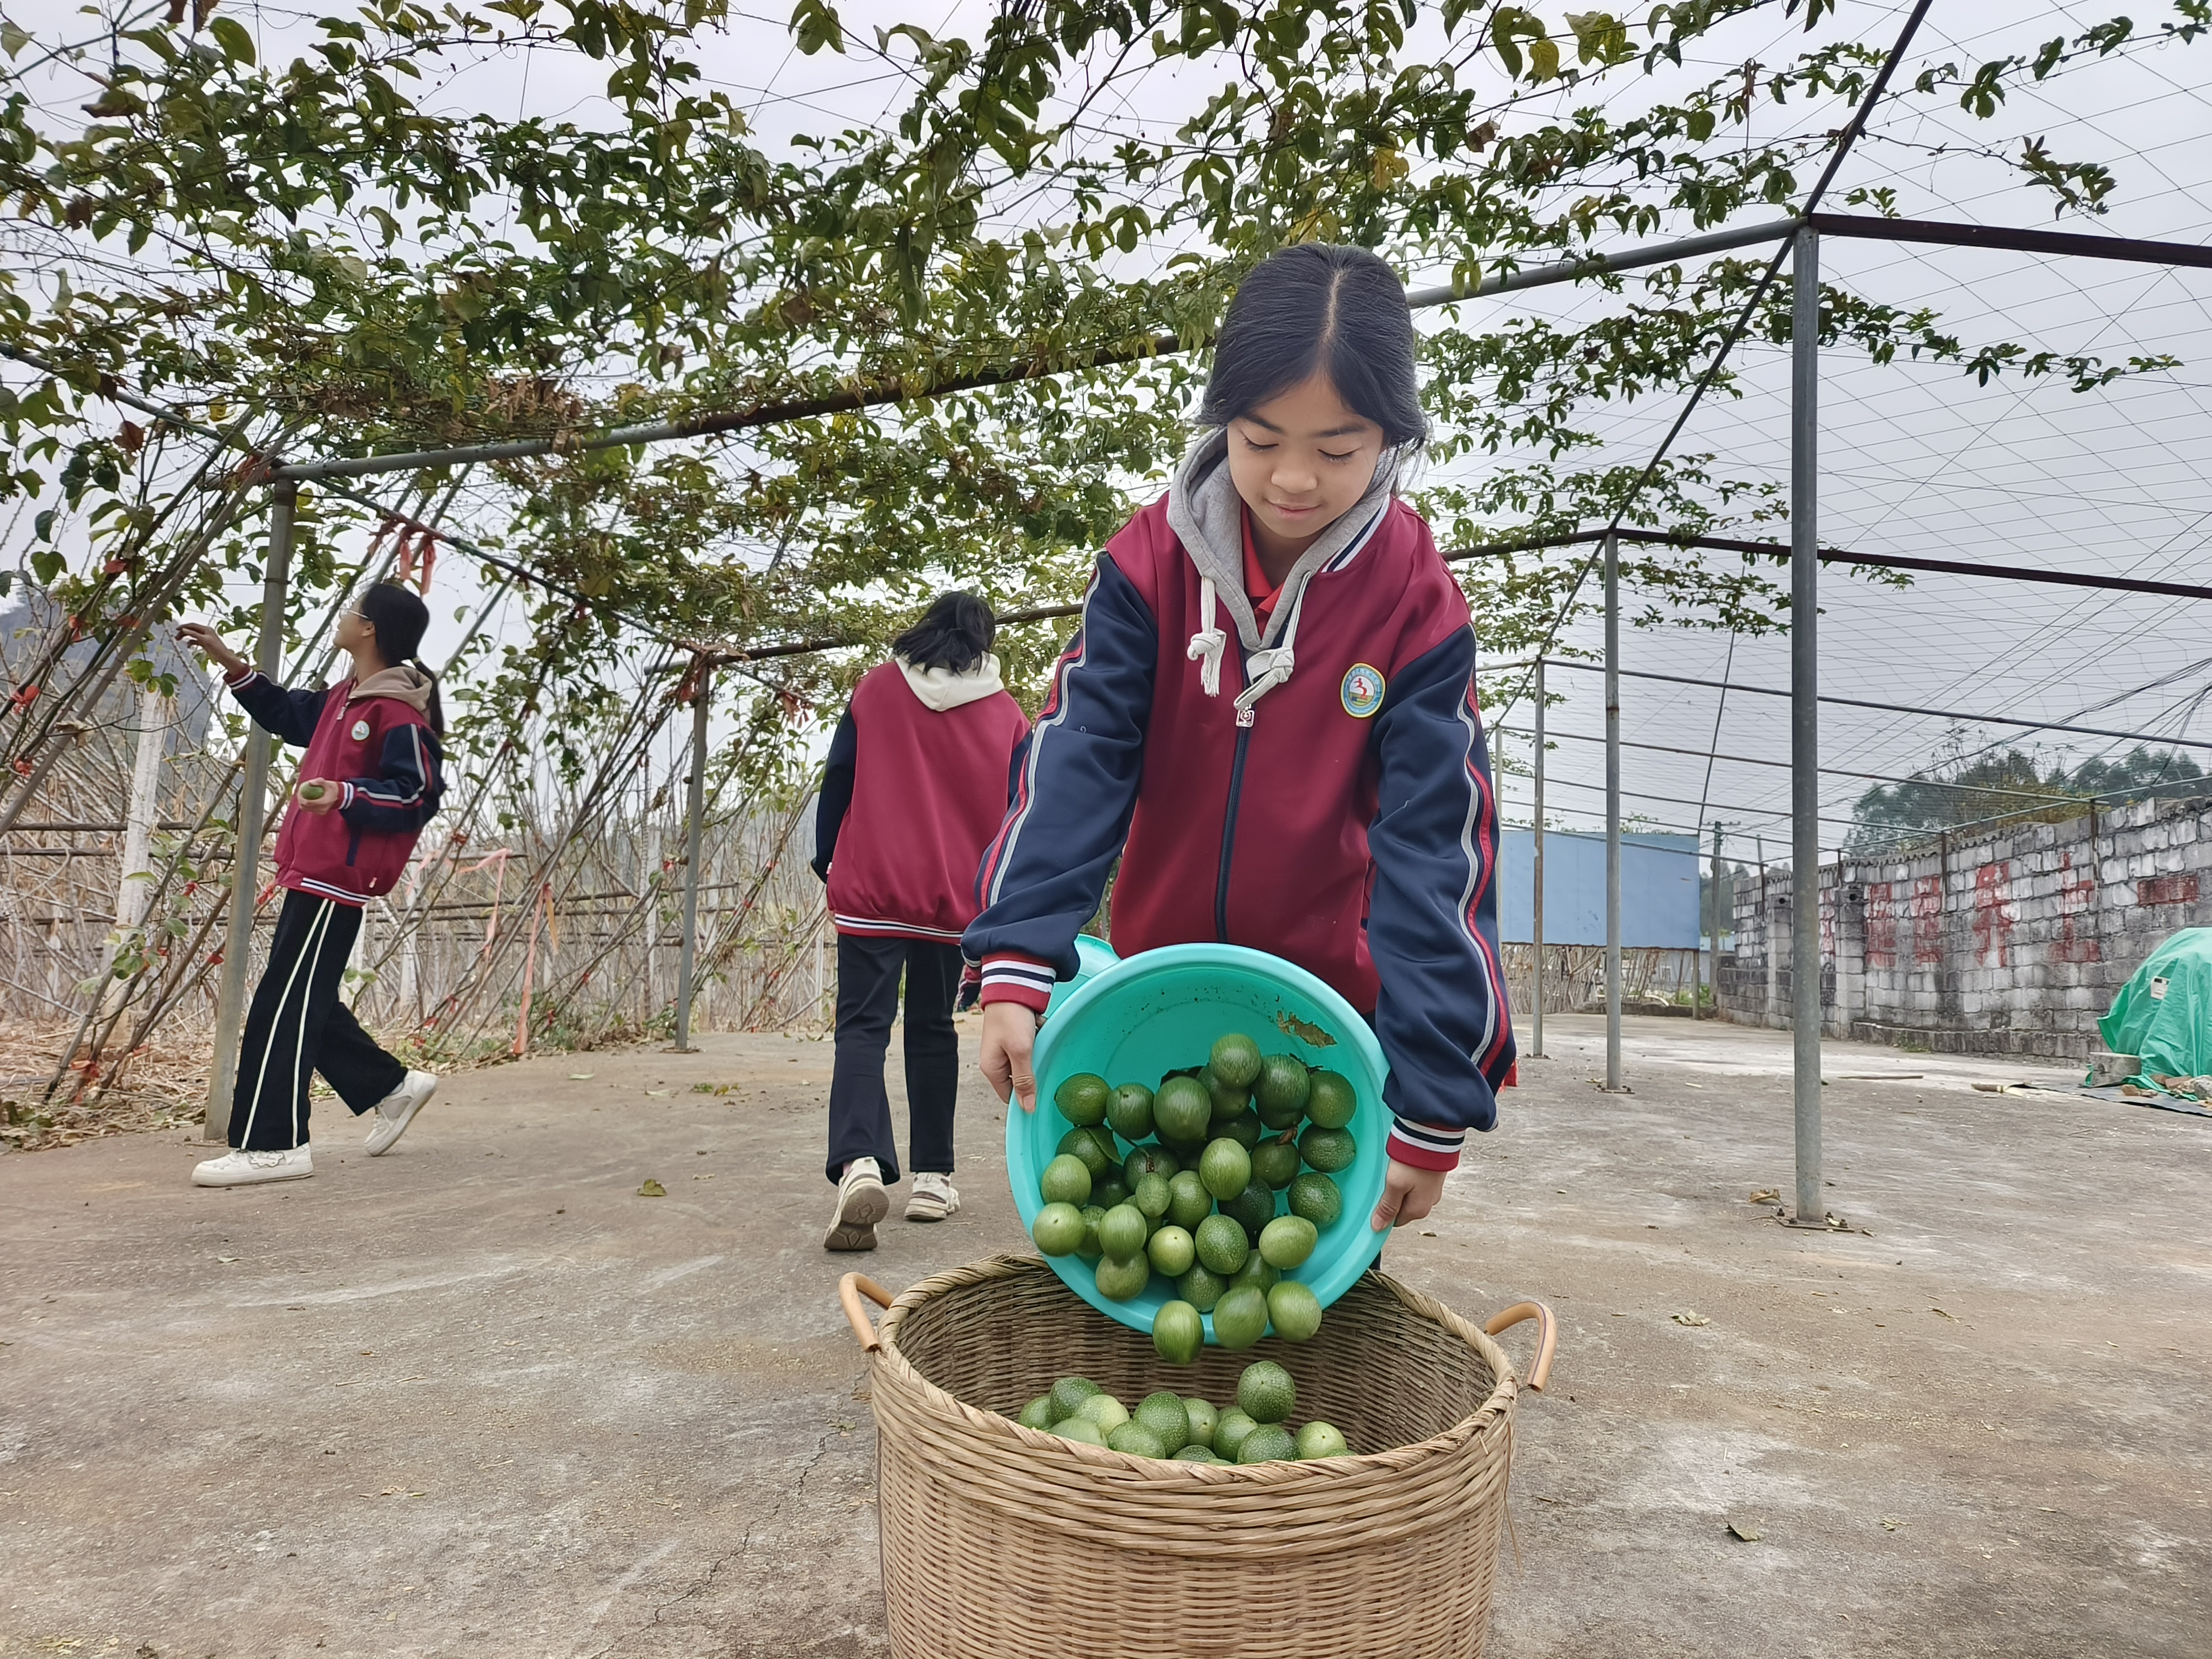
(861, 1203)
(245, 1169)
(932, 1199)
(396, 1111)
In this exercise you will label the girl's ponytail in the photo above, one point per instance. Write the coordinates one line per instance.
(400, 619)
(434, 711)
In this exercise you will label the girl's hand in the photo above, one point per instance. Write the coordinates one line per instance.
(211, 645)
(1009, 1035)
(1408, 1194)
(324, 800)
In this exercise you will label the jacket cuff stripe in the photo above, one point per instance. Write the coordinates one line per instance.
(1017, 979)
(239, 682)
(1019, 970)
(1034, 1000)
(1425, 1145)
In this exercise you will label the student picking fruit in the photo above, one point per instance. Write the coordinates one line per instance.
(371, 779)
(1269, 714)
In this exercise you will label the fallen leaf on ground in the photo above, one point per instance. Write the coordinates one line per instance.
(651, 1189)
(1891, 1523)
(658, 1094)
(1953, 1317)
(1744, 1530)
(1767, 1195)
(1691, 1316)
(580, 1077)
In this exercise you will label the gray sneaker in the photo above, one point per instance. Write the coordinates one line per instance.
(396, 1111)
(861, 1203)
(934, 1197)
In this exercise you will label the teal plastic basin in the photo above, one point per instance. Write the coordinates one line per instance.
(1093, 956)
(1159, 1011)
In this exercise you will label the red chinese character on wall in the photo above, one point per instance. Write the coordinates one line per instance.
(2077, 928)
(1993, 914)
(1927, 905)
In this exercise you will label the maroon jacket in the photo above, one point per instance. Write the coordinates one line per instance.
(1329, 804)
(911, 795)
(372, 740)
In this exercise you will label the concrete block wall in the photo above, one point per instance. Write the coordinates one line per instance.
(2011, 944)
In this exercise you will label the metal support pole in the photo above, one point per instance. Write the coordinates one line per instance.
(1536, 898)
(1805, 719)
(252, 816)
(694, 814)
(1613, 1082)
(1722, 907)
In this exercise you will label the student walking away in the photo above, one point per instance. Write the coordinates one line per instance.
(1269, 711)
(369, 781)
(916, 786)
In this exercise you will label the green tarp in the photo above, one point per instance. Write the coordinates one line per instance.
(2164, 1013)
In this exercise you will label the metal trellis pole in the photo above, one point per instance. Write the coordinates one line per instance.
(1536, 895)
(253, 815)
(1721, 908)
(1613, 1082)
(1805, 719)
(694, 815)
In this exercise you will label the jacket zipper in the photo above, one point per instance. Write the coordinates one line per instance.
(1229, 818)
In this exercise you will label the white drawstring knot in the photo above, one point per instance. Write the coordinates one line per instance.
(1207, 644)
(1270, 668)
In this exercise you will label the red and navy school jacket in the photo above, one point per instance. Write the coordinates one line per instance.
(372, 740)
(1348, 825)
(911, 795)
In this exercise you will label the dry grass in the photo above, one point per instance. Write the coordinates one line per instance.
(165, 1086)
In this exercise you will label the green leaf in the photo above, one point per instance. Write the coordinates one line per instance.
(230, 34)
(816, 24)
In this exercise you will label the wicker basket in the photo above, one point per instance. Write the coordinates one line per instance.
(999, 1543)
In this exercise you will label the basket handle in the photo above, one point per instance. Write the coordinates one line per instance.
(1547, 1336)
(852, 1287)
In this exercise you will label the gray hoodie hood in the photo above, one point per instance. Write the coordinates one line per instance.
(941, 688)
(1205, 514)
(404, 684)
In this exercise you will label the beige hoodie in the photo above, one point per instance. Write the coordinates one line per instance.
(941, 688)
(404, 684)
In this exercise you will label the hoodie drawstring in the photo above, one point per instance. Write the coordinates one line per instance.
(1207, 644)
(1269, 668)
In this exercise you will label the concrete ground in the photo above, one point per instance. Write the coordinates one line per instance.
(481, 1396)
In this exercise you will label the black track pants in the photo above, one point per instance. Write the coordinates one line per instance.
(297, 1026)
(868, 996)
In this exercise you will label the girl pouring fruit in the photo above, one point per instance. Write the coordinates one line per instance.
(1268, 715)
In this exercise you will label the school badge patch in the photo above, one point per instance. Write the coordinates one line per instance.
(360, 728)
(1361, 690)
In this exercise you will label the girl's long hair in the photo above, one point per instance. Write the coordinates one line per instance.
(399, 620)
(953, 633)
(1316, 309)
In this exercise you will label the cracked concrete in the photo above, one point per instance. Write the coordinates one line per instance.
(480, 1397)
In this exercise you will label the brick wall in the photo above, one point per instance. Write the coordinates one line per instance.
(2012, 944)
